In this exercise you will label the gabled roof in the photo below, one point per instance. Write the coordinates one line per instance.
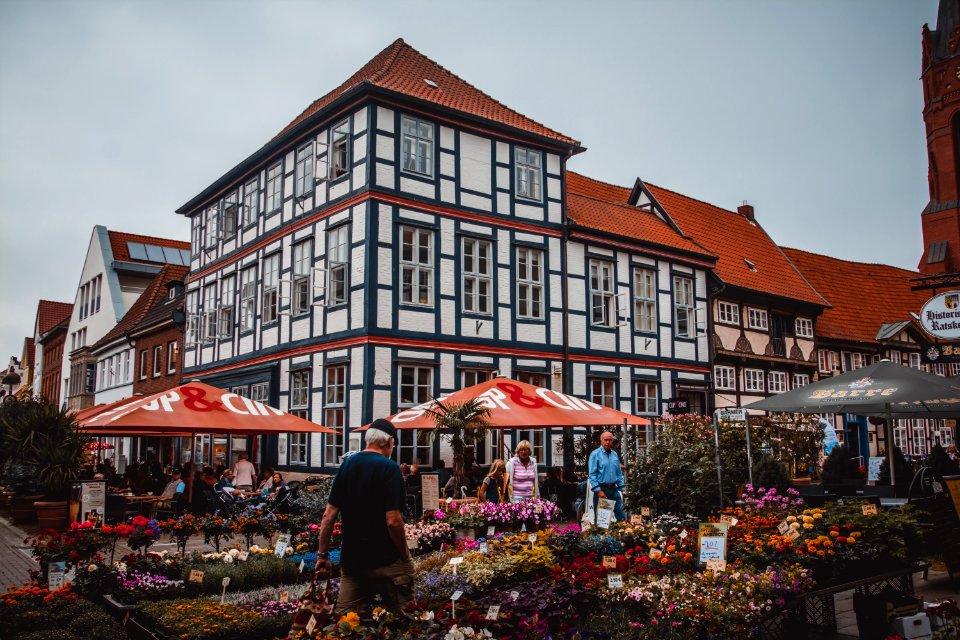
(157, 289)
(121, 251)
(747, 257)
(402, 69)
(50, 314)
(863, 296)
(162, 309)
(603, 207)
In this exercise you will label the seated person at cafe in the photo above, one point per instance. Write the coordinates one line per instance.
(279, 490)
(175, 486)
(225, 485)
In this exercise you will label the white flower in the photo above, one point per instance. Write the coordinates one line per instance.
(234, 553)
(92, 567)
(121, 566)
(426, 615)
(228, 559)
(289, 551)
(255, 549)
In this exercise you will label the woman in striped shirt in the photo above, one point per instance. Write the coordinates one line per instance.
(522, 474)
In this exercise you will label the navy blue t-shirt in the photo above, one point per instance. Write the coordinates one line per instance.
(366, 487)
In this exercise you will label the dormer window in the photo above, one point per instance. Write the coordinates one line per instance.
(528, 166)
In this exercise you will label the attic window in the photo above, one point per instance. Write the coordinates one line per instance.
(431, 83)
(750, 265)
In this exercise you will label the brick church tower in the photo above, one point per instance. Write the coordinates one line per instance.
(941, 114)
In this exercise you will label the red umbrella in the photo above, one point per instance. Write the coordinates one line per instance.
(96, 446)
(518, 405)
(195, 407)
(89, 412)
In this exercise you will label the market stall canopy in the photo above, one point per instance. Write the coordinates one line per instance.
(876, 389)
(518, 405)
(85, 414)
(195, 407)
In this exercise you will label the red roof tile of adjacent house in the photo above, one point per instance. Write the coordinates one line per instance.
(50, 314)
(602, 206)
(403, 69)
(736, 240)
(156, 290)
(119, 240)
(863, 296)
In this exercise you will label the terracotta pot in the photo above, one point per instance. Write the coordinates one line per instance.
(22, 510)
(51, 515)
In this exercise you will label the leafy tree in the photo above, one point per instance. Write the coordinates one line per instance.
(465, 424)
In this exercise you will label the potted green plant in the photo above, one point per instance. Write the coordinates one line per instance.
(465, 424)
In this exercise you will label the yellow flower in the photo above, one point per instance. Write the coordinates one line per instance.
(818, 515)
(352, 619)
(807, 519)
(791, 518)
(808, 526)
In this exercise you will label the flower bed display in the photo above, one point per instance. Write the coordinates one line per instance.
(34, 613)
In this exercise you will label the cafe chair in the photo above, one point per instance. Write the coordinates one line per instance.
(172, 508)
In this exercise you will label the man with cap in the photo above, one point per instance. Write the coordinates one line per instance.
(176, 485)
(368, 495)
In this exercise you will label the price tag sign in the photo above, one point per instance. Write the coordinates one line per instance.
(491, 530)
(610, 562)
(538, 508)
(728, 520)
(456, 561)
(645, 512)
(196, 575)
(684, 534)
(604, 517)
(615, 581)
(493, 612)
(456, 595)
(655, 554)
(56, 575)
(303, 563)
(283, 541)
(793, 534)
(243, 556)
(636, 519)
(225, 582)
(449, 501)
(869, 509)
(284, 596)
(311, 625)
(483, 547)
(716, 564)
(412, 544)
(532, 538)
(514, 595)
(783, 527)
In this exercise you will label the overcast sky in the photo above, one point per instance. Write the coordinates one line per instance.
(116, 113)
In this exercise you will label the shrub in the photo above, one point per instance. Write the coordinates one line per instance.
(767, 472)
(203, 619)
(839, 467)
(32, 613)
(257, 571)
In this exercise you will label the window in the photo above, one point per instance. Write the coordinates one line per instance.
(900, 438)
(192, 332)
(528, 164)
(800, 380)
(172, 357)
(602, 302)
(242, 391)
(415, 388)
(894, 356)
(299, 389)
(338, 257)
(827, 360)
(212, 230)
(251, 202)
(852, 361)
(102, 375)
(757, 319)
(298, 448)
(340, 150)
(537, 440)
(229, 216)
(919, 438)
(729, 313)
(804, 328)
(271, 287)
(196, 234)
(274, 188)
(938, 369)
(225, 312)
(210, 312)
(475, 376)
(334, 410)
(536, 379)
(416, 266)
(126, 365)
(260, 392)
(647, 393)
(683, 310)
(477, 276)
(778, 382)
(417, 144)
(603, 391)
(248, 298)
(529, 283)
(157, 360)
(753, 380)
(724, 377)
(644, 300)
(98, 281)
(303, 171)
(302, 266)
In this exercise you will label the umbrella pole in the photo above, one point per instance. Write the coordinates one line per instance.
(889, 437)
(193, 465)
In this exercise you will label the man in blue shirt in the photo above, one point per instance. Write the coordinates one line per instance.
(606, 476)
(176, 485)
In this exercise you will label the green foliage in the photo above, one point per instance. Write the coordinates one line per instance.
(260, 570)
(769, 473)
(465, 424)
(795, 439)
(312, 504)
(839, 467)
(57, 618)
(941, 462)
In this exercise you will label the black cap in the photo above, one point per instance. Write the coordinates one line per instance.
(386, 426)
(175, 470)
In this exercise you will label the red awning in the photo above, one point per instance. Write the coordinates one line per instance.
(194, 407)
(518, 405)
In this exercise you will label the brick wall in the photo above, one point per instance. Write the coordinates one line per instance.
(160, 373)
(52, 363)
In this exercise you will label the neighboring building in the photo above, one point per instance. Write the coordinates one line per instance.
(158, 336)
(118, 267)
(119, 354)
(50, 330)
(27, 358)
(11, 379)
(407, 236)
(940, 75)
(869, 319)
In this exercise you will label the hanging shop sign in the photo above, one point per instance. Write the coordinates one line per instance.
(940, 315)
(678, 407)
(943, 352)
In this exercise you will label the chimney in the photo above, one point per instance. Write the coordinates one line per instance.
(746, 210)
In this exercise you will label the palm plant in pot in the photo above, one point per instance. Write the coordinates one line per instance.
(465, 424)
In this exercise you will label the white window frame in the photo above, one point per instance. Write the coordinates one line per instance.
(644, 300)
(225, 310)
(126, 365)
(684, 309)
(210, 307)
(211, 230)
(471, 377)
(338, 265)
(753, 381)
(270, 307)
(418, 391)
(603, 391)
(800, 380)
(274, 188)
(251, 201)
(603, 310)
(758, 319)
(416, 274)
(334, 412)
(191, 334)
(476, 276)
(725, 377)
(826, 360)
(302, 269)
(777, 382)
(297, 449)
(171, 357)
(728, 313)
(340, 150)
(530, 301)
(303, 179)
(260, 391)
(648, 397)
(804, 327)
(529, 171)
(416, 146)
(228, 216)
(299, 389)
(248, 298)
(157, 362)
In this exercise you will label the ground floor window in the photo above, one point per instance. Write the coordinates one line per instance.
(537, 439)
(298, 448)
(412, 448)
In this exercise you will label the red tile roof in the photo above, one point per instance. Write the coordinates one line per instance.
(734, 238)
(50, 314)
(862, 295)
(602, 206)
(156, 290)
(119, 240)
(30, 351)
(402, 69)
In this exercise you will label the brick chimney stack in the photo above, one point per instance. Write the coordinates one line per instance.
(746, 210)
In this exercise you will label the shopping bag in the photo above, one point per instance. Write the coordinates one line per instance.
(316, 607)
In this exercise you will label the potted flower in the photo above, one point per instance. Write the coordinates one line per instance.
(467, 524)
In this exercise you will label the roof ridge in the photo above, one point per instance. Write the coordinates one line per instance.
(140, 235)
(397, 46)
(683, 195)
(861, 262)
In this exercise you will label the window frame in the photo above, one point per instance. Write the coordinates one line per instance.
(301, 275)
(251, 202)
(806, 324)
(800, 380)
(303, 170)
(600, 395)
(732, 313)
(340, 137)
(644, 408)
(644, 300)
(274, 188)
(418, 144)
(528, 183)
(603, 306)
(778, 377)
(157, 361)
(684, 303)
(248, 298)
(475, 277)
(530, 289)
(416, 268)
(334, 412)
(408, 440)
(225, 306)
(211, 319)
(338, 265)
(721, 372)
(270, 300)
(752, 376)
(299, 394)
(758, 319)
(298, 449)
(171, 357)
(229, 224)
